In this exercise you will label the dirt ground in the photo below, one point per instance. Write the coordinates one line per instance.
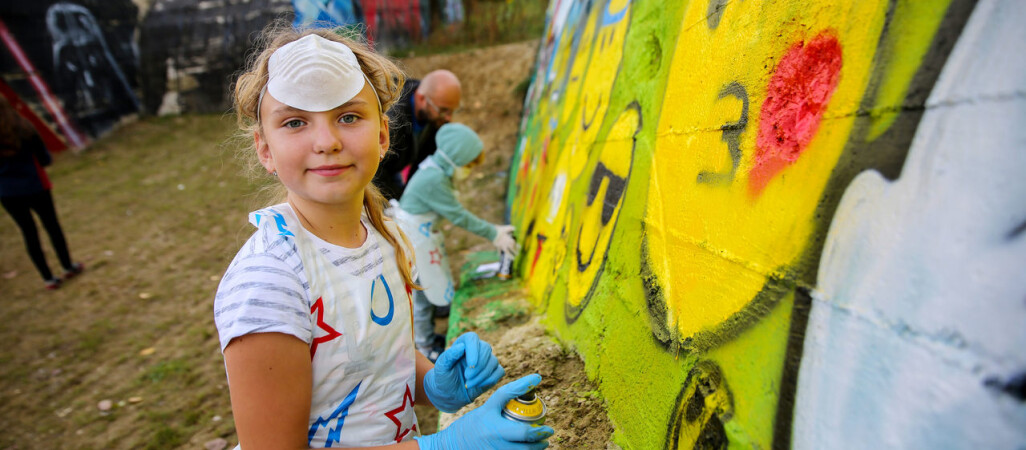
(126, 355)
(499, 312)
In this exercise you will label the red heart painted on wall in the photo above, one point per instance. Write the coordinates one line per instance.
(798, 93)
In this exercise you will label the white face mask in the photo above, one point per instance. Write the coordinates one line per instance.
(461, 173)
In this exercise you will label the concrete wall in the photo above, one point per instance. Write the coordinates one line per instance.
(784, 224)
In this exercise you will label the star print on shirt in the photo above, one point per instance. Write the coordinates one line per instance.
(318, 306)
(436, 257)
(400, 433)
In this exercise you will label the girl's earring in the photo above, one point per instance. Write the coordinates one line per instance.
(381, 157)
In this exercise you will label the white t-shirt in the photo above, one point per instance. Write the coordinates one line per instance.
(350, 305)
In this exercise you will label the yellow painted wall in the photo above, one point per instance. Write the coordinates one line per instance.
(678, 168)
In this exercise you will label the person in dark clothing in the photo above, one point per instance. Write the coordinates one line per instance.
(24, 187)
(425, 105)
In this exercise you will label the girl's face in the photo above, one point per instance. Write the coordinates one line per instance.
(327, 157)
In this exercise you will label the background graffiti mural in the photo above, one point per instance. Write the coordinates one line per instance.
(85, 70)
(85, 60)
(389, 23)
(680, 168)
(83, 66)
(191, 49)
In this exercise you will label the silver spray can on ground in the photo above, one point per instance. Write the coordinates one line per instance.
(526, 408)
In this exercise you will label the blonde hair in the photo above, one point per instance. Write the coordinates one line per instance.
(385, 77)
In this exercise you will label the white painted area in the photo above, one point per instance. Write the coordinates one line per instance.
(170, 105)
(921, 294)
(556, 197)
(453, 11)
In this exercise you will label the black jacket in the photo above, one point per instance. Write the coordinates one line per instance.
(407, 148)
(22, 173)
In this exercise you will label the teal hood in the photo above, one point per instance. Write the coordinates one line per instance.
(458, 145)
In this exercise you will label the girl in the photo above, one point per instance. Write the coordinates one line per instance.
(24, 187)
(428, 196)
(313, 314)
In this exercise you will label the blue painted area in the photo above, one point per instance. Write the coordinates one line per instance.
(425, 229)
(383, 321)
(339, 414)
(453, 11)
(610, 19)
(327, 12)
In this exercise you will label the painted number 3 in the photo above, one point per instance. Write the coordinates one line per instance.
(731, 135)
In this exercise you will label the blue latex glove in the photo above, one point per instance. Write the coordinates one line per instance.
(463, 372)
(484, 427)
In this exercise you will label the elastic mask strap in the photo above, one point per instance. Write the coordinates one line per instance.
(446, 158)
(260, 101)
(374, 90)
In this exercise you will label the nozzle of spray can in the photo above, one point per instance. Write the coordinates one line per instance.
(526, 408)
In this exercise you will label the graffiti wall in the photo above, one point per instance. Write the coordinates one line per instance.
(192, 48)
(80, 67)
(75, 62)
(783, 224)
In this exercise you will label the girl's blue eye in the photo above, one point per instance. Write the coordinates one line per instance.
(348, 118)
(294, 123)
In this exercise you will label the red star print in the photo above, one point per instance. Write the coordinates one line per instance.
(400, 433)
(332, 334)
(436, 257)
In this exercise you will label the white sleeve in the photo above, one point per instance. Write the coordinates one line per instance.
(261, 293)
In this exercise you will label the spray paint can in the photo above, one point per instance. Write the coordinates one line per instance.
(505, 265)
(527, 408)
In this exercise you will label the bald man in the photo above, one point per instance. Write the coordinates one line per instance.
(425, 105)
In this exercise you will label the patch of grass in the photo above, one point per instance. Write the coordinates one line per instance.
(520, 90)
(165, 370)
(92, 339)
(499, 311)
(487, 23)
(192, 417)
(165, 436)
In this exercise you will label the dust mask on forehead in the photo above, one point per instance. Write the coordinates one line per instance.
(314, 74)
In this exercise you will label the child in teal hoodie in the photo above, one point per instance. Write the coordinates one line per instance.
(430, 196)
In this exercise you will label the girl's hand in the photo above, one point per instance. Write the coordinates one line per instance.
(461, 373)
(485, 427)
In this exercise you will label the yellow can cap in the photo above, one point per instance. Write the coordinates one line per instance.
(528, 410)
